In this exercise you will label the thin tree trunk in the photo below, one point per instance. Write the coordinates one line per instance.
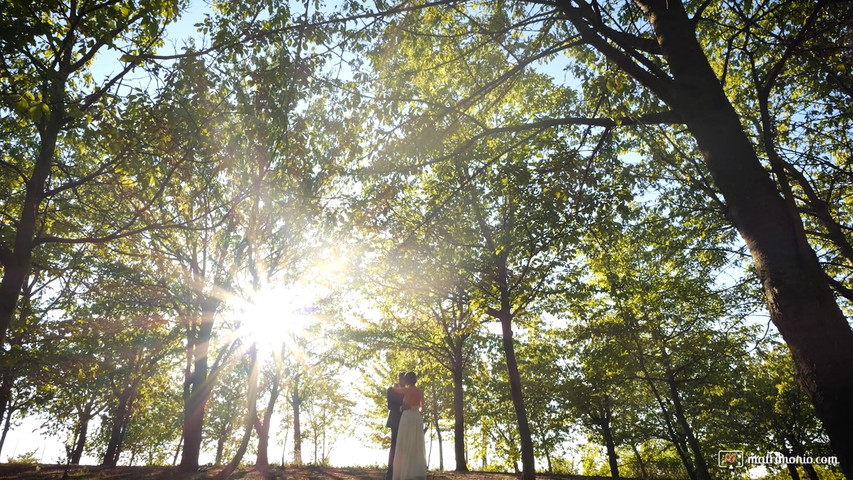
(459, 415)
(295, 403)
(251, 417)
(677, 441)
(6, 426)
(82, 433)
(6, 386)
(792, 468)
(437, 433)
(220, 442)
(640, 462)
(603, 422)
(702, 472)
(262, 426)
(178, 451)
(798, 449)
(197, 387)
(120, 421)
(485, 449)
(505, 315)
(527, 458)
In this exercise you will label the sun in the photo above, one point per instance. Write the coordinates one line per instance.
(277, 315)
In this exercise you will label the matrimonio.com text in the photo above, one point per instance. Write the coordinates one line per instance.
(737, 458)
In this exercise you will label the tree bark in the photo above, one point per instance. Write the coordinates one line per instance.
(7, 424)
(6, 400)
(612, 458)
(640, 461)
(792, 468)
(798, 449)
(263, 430)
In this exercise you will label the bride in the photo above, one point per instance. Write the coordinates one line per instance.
(410, 454)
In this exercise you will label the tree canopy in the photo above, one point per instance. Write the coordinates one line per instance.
(581, 222)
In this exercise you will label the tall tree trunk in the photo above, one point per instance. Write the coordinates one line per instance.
(220, 447)
(9, 375)
(798, 449)
(17, 261)
(459, 414)
(792, 471)
(612, 458)
(677, 441)
(527, 459)
(262, 427)
(178, 451)
(799, 298)
(505, 315)
(485, 449)
(197, 387)
(262, 459)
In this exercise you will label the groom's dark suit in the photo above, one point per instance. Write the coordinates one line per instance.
(395, 403)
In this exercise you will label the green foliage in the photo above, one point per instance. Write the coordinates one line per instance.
(474, 160)
(26, 458)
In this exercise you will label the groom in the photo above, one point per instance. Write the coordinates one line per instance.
(395, 405)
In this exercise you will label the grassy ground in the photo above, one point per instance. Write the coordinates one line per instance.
(44, 472)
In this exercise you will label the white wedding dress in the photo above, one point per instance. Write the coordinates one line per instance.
(410, 453)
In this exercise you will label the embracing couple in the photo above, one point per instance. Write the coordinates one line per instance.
(407, 457)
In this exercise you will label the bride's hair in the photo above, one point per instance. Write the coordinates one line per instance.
(411, 378)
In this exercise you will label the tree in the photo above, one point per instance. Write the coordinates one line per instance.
(679, 63)
(201, 261)
(676, 69)
(433, 319)
(226, 408)
(68, 145)
(506, 207)
(658, 321)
